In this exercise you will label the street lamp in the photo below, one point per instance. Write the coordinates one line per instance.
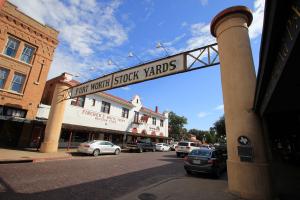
(131, 54)
(111, 62)
(160, 45)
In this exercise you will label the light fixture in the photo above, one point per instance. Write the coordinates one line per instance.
(160, 45)
(131, 54)
(111, 62)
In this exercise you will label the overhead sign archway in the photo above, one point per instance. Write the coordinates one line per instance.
(183, 62)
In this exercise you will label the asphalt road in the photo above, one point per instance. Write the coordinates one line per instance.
(85, 177)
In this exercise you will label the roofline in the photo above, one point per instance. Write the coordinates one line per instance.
(45, 25)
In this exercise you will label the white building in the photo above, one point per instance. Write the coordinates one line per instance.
(104, 116)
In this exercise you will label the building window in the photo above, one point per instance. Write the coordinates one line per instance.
(78, 101)
(105, 107)
(27, 53)
(94, 102)
(11, 47)
(161, 123)
(17, 83)
(136, 117)
(3, 77)
(13, 112)
(125, 112)
(153, 120)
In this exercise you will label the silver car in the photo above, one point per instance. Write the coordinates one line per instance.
(162, 147)
(97, 147)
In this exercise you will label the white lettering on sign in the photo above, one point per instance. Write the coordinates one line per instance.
(148, 71)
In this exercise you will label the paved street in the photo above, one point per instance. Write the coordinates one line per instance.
(104, 177)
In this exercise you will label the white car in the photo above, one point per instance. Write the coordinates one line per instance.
(184, 148)
(97, 147)
(162, 147)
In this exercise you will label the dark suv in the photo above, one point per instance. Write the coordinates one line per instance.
(203, 160)
(141, 146)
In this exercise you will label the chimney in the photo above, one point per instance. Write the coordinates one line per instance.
(156, 109)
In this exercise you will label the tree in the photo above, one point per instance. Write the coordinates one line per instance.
(176, 124)
(198, 133)
(219, 128)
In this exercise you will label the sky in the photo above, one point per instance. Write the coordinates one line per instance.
(92, 32)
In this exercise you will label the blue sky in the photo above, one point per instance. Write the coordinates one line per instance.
(94, 31)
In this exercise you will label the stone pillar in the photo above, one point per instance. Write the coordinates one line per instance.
(55, 120)
(250, 180)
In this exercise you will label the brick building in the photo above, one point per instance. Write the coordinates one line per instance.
(26, 53)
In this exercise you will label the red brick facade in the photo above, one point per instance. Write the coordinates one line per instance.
(43, 40)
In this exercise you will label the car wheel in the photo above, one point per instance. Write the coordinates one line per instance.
(117, 151)
(153, 150)
(96, 152)
(141, 150)
(178, 154)
(217, 173)
(188, 172)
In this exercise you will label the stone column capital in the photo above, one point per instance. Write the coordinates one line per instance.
(231, 12)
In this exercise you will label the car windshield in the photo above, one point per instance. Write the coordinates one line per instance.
(200, 152)
(183, 144)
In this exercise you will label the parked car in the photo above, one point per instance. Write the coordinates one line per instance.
(205, 160)
(173, 146)
(141, 146)
(97, 147)
(162, 147)
(184, 148)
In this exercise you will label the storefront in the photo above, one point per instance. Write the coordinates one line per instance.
(277, 94)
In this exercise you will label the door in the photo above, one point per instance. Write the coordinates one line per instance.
(102, 147)
(110, 147)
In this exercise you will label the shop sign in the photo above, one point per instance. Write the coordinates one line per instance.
(148, 71)
(102, 117)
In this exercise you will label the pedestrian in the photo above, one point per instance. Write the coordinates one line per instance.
(38, 139)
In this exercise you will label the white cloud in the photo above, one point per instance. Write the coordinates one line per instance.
(204, 2)
(202, 114)
(184, 24)
(255, 29)
(86, 27)
(200, 36)
(149, 9)
(125, 88)
(80, 22)
(220, 107)
(175, 40)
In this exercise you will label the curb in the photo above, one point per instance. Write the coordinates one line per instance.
(15, 161)
(35, 160)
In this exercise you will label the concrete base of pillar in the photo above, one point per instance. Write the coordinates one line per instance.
(49, 147)
(249, 180)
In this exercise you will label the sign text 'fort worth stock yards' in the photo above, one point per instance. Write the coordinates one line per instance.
(148, 71)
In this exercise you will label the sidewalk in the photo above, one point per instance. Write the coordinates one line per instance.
(31, 155)
(183, 188)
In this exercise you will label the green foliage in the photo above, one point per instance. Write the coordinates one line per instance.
(220, 129)
(217, 133)
(176, 124)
